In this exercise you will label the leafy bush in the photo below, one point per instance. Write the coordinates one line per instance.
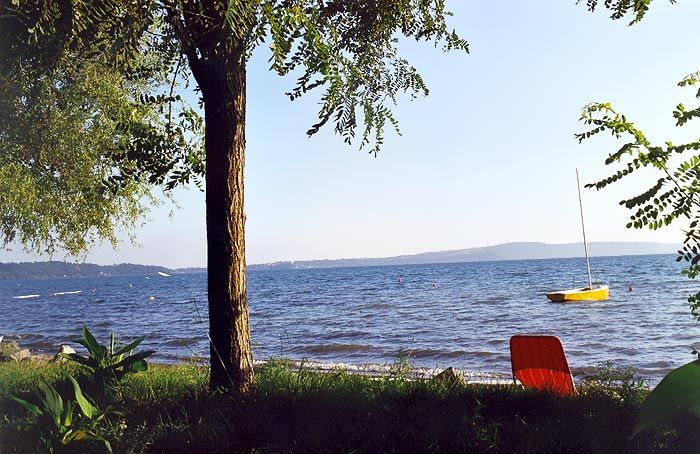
(620, 383)
(57, 423)
(109, 362)
(402, 366)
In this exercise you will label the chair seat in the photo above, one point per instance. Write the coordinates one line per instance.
(539, 362)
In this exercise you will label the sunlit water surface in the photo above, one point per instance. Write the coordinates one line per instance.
(367, 315)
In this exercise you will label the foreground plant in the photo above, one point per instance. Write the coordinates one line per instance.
(619, 383)
(674, 195)
(57, 422)
(109, 362)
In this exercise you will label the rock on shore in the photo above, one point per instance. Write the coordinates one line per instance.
(10, 351)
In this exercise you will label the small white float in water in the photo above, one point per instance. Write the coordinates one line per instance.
(163, 274)
(69, 293)
(23, 297)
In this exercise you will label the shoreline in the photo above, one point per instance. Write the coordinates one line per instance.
(374, 370)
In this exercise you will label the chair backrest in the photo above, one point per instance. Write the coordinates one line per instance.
(539, 362)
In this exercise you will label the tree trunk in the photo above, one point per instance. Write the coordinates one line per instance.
(223, 85)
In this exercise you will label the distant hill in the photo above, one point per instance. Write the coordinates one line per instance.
(507, 251)
(44, 270)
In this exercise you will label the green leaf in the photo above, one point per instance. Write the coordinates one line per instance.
(86, 407)
(30, 407)
(68, 414)
(99, 352)
(85, 361)
(52, 401)
(82, 434)
(129, 347)
(130, 360)
(678, 391)
(138, 366)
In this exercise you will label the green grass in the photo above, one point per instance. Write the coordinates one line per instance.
(168, 409)
(23, 377)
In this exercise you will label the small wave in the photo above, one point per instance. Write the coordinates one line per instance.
(41, 345)
(431, 353)
(593, 345)
(24, 297)
(181, 342)
(631, 351)
(483, 354)
(386, 370)
(658, 365)
(346, 334)
(379, 306)
(338, 348)
(490, 301)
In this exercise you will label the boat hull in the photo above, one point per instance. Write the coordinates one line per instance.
(597, 293)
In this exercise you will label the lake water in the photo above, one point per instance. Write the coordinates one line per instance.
(366, 315)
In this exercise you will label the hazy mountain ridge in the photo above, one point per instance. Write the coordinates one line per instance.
(507, 251)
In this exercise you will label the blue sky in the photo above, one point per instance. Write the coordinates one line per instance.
(489, 157)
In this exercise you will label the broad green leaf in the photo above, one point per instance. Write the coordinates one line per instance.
(678, 391)
(69, 436)
(129, 347)
(30, 407)
(138, 366)
(86, 361)
(129, 360)
(85, 406)
(52, 401)
(99, 352)
(74, 435)
(68, 414)
(82, 434)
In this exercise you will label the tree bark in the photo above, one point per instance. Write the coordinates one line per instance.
(223, 85)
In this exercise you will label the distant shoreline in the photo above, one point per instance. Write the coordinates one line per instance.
(498, 253)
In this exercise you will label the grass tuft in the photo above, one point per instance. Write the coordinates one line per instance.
(293, 409)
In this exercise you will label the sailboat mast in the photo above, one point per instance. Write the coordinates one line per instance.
(583, 228)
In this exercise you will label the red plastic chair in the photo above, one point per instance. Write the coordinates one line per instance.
(539, 362)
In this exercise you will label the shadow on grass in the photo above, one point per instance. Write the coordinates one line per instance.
(170, 410)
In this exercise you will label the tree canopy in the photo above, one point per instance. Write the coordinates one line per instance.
(348, 50)
(676, 192)
(619, 9)
(124, 57)
(82, 143)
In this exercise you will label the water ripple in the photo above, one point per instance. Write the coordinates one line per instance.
(365, 315)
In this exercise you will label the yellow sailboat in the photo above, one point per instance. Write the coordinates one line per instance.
(596, 292)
